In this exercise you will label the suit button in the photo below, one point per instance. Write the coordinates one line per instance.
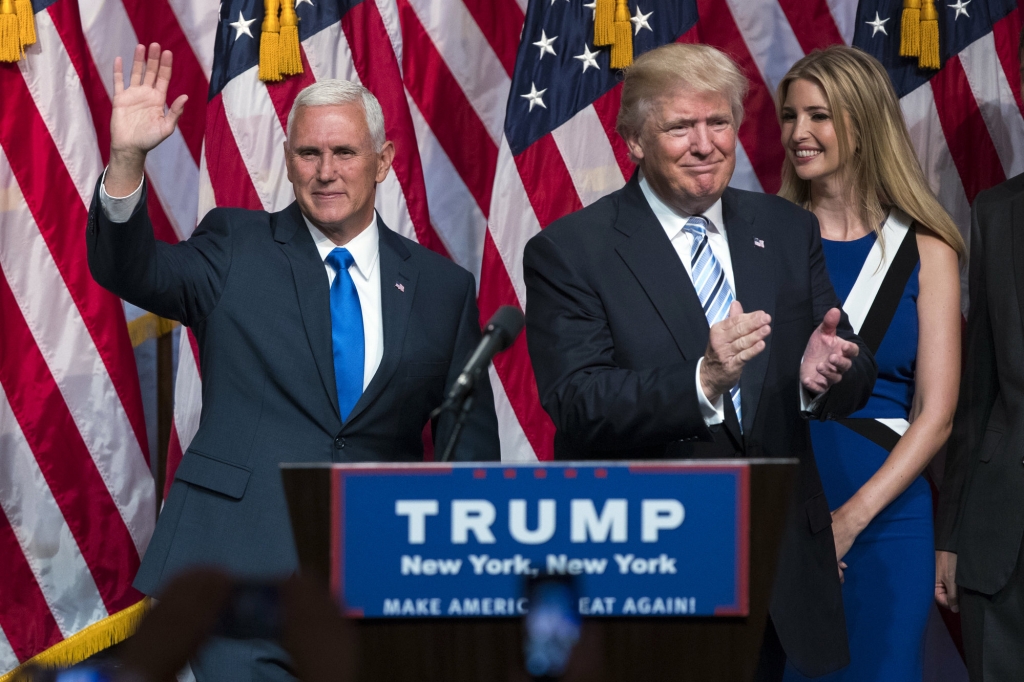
(339, 442)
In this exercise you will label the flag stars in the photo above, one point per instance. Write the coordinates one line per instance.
(299, 2)
(640, 21)
(877, 25)
(534, 96)
(545, 44)
(961, 8)
(592, 7)
(242, 26)
(588, 58)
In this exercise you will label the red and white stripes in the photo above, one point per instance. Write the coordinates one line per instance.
(76, 492)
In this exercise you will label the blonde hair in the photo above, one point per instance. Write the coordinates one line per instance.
(882, 169)
(698, 68)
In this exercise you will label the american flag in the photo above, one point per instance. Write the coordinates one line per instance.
(503, 115)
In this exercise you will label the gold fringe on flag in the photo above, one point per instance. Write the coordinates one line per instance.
(291, 60)
(148, 326)
(929, 58)
(622, 48)
(910, 29)
(270, 49)
(10, 41)
(604, 16)
(91, 640)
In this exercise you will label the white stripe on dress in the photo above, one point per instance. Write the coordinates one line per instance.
(875, 267)
(898, 425)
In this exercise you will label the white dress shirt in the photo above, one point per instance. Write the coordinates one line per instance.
(365, 250)
(672, 222)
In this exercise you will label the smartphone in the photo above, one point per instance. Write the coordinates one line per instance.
(253, 611)
(551, 625)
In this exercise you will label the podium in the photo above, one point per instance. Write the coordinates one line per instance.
(431, 639)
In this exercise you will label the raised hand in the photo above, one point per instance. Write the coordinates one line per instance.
(827, 356)
(139, 120)
(732, 343)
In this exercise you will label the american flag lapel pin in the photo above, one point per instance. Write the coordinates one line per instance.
(400, 287)
(759, 243)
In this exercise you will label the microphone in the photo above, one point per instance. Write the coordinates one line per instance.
(502, 329)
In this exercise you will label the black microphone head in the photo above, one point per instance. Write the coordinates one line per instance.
(506, 323)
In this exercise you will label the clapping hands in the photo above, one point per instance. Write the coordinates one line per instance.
(827, 356)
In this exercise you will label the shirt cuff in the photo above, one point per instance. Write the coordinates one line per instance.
(713, 414)
(119, 209)
(810, 404)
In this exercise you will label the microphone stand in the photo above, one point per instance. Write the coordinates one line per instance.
(502, 329)
(460, 420)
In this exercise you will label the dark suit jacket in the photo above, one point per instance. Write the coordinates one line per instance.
(253, 288)
(615, 330)
(981, 505)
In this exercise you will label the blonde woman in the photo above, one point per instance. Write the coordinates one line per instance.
(892, 254)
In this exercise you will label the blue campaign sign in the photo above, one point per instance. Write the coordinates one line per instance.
(459, 540)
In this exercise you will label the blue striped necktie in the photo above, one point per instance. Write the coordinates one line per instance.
(712, 287)
(346, 332)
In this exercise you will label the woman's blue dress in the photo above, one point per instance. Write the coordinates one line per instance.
(890, 577)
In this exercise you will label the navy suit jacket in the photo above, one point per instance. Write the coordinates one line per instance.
(253, 289)
(615, 330)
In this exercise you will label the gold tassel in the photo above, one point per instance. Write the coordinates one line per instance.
(291, 60)
(910, 29)
(270, 52)
(26, 22)
(929, 58)
(622, 48)
(604, 16)
(10, 41)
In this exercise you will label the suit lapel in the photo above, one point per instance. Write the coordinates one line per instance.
(753, 272)
(312, 287)
(396, 305)
(652, 259)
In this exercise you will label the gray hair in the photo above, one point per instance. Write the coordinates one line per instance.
(333, 91)
(697, 68)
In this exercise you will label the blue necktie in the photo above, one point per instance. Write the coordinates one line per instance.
(712, 287)
(346, 332)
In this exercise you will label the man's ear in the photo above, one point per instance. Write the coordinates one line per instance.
(287, 161)
(635, 146)
(384, 159)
